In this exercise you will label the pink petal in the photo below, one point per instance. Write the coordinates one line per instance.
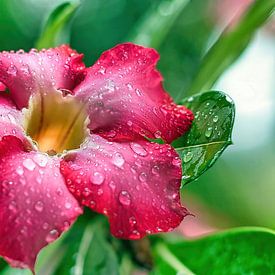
(33, 72)
(135, 184)
(126, 97)
(10, 119)
(35, 205)
(2, 87)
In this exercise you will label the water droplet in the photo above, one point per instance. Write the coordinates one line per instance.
(53, 235)
(138, 92)
(39, 206)
(19, 171)
(68, 205)
(187, 157)
(118, 159)
(12, 70)
(124, 198)
(130, 86)
(142, 177)
(215, 118)
(41, 160)
(132, 221)
(97, 178)
(155, 170)
(138, 149)
(29, 164)
(208, 132)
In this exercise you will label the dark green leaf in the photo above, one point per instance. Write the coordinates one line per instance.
(234, 252)
(230, 45)
(210, 133)
(56, 30)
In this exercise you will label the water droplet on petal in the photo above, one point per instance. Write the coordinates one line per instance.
(19, 171)
(12, 70)
(53, 235)
(142, 177)
(124, 198)
(118, 159)
(155, 170)
(97, 178)
(39, 206)
(29, 164)
(138, 149)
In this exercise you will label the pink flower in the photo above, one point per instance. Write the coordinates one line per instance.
(72, 136)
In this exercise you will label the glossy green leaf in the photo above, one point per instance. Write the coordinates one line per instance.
(230, 45)
(56, 30)
(210, 133)
(234, 252)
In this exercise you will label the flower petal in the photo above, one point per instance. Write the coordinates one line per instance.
(33, 72)
(35, 205)
(135, 184)
(125, 96)
(10, 118)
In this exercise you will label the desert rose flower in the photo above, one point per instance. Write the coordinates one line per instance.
(72, 136)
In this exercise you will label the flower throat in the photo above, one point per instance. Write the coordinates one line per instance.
(56, 122)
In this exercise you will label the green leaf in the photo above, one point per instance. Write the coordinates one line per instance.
(87, 251)
(233, 252)
(21, 22)
(155, 25)
(210, 133)
(56, 30)
(230, 45)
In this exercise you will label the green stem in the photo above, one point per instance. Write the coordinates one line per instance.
(168, 257)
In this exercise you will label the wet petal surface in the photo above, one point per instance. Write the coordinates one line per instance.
(38, 72)
(35, 205)
(11, 119)
(125, 97)
(135, 184)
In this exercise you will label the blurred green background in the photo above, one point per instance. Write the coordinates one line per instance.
(240, 188)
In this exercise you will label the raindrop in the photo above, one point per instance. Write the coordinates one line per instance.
(187, 157)
(138, 92)
(97, 178)
(124, 198)
(68, 205)
(53, 235)
(138, 149)
(19, 171)
(142, 177)
(39, 206)
(29, 164)
(215, 118)
(41, 160)
(155, 170)
(208, 132)
(12, 70)
(118, 160)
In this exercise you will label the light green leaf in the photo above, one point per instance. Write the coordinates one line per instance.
(233, 252)
(230, 45)
(210, 133)
(56, 30)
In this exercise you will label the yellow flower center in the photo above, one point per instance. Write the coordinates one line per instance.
(56, 122)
